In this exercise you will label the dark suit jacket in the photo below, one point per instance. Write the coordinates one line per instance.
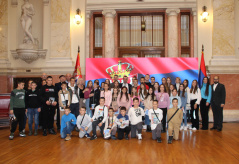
(58, 86)
(219, 95)
(96, 98)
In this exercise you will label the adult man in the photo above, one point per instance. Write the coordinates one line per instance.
(218, 102)
(116, 78)
(68, 77)
(142, 81)
(74, 106)
(126, 84)
(152, 81)
(62, 79)
(43, 77)
(147, 80)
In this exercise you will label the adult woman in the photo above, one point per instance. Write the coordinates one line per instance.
(80, 91)
(163, 104)
(206, 93)
(183, 96)
(195, 98)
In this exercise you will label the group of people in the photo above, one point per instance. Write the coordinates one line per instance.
(121, 108)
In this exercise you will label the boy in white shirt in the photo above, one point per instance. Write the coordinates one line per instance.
(156, 116)
(99, 118)
(135, 116)
(84, 123)
(110, 125)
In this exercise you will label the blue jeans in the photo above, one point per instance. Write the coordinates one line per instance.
(30, 113)
(87, 105)
(67, 130)
(184, 118)
(147, 121)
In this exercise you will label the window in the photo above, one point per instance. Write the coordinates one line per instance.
(98, 36)
(133, 42)
(185, 34)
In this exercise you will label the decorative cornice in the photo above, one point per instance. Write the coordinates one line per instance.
(88, 14)
(194, 11)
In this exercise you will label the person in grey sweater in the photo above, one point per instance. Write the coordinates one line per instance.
(84, 123)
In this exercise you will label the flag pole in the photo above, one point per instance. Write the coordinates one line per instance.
(78, 49)
(202, 48)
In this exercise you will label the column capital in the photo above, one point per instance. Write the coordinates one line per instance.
(194, 11)
(88, 14)
(109, 13)
(172, 12)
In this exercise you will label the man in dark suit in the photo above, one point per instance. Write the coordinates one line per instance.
(218, 102)
(126, 84)
(116, 78)
(58, 85)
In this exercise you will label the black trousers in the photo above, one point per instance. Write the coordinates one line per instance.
(204, 113)
(95, 124)
(164, 118)
(121, 132)
(58, 123)
(217, 111)
(48, 113)
(194, 120)
(75, 109)
(19, 114)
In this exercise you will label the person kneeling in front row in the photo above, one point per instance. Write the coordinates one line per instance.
(84, 123)
(68, 122)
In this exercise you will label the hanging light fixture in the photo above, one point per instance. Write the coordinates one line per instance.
(143, 24)
(78, 17)
(205, 14)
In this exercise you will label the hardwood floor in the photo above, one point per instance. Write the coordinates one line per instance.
(193, 147)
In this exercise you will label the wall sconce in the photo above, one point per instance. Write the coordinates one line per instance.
(205, 14)
(143, 25)
(78, 17)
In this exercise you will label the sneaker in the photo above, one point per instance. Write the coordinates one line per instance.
(87, 135)
(126, 137)
(181, 128)
(76, 128)
(11, 136)
(113, 137)
(52, 131)
(93, 137)
(35, 132)
(68, 137)
(194, 129)
(40, 127)
(140, 137)
(159, 140)
(185, 128)
(23, 130)
(22, 134)
(170, 139)
(44, 132)
(30, 132)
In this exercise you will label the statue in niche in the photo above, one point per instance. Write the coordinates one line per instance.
(29, 42)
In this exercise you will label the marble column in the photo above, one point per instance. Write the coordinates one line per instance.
(87, 29)
(172, 32)
(195, 33)
(109, 33)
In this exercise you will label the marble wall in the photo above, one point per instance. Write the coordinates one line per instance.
(60, 28)
(223, 28)
(3, 29)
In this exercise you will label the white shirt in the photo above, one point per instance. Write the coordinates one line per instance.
(135, 115)
(99, 113)
(177, 86)
(215, 86)
(154, 119)
(197, 96)
(74, 97)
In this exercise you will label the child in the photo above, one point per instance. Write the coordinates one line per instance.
(123, 124)
(33, 107)
(142, 93)
(135, 116)
(94, 96)
(17, 107)
(174, 116)
(123, 98)
(156, 116)
(148, 103)
(68, 122)
(114, 99)
(110, 124)
(134, 94)
(64, 99)
(183, 96)
(170, 92)
(99, 118)
(175, 95)
(107, 94)
(84, 123)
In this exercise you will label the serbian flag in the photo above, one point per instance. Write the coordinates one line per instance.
(77, 72)
(202, 70)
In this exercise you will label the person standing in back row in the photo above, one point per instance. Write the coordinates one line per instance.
(218, 102)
